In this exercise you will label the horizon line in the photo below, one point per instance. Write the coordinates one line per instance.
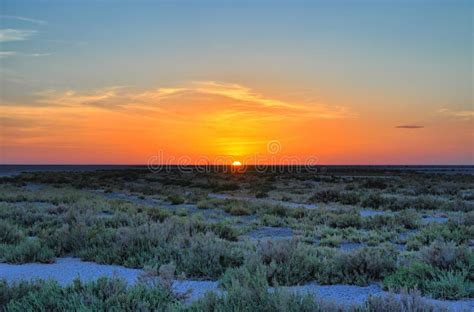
(244, 165)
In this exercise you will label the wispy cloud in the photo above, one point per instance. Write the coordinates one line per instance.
(107, 98)
(10, 34)
(461, 114)
(36, 54)
(239, 93)
(409, 127)
(24, 19)
(4, 54)
(247, 95)
(243, 99)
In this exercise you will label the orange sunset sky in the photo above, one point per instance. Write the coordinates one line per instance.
(359, 82)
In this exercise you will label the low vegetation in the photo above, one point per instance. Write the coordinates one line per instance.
(142, 220)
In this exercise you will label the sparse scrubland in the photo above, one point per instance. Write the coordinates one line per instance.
(404, 230)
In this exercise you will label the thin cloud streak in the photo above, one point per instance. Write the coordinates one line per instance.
(244, 100)
(409, 127)
(24, 19)
(238, 92)
(4, 54)
(462, 114)
(10, 34)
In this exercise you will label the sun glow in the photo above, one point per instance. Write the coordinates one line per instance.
(236, 163)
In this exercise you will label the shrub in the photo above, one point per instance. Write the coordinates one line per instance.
(440, 254)
(414, 276)
(277, 210)
(247, 290)
(234, 207)
(175, 199)
(461, 205)
(449, 231)
(468, 219)
(101, 295)
(379, 222)
(432, 281)
(191, 244)
(9, 234)
(207, 256)
(288, 262)
(251, 275)
(406, 302)
(373, 201)
(325, 196)
(359, 266)
(239, 210)
(450, 285)
(205, 204)
(374, 184)
(349, 198)
(345, 220)
(224, 231)
(427, 203)
(409, 219)
(227, 187)
(157, 214)
(26, 251)
(331, 241)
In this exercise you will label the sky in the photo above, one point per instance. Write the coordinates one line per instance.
(326, 82)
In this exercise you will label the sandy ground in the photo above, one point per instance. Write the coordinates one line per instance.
(65, 270)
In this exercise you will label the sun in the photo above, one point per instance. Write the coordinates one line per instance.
(236, 163)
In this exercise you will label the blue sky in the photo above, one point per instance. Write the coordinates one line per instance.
(369, 43)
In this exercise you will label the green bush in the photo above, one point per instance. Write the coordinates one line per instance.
(289, 262)
(374, 184)
(406, 302)
(26, 251)
(331, 241)
(378, 222)
(414, 276)
(440, 254)
(190, 244)
(207, 256)
(277, 210)
(409, 219)
(349, 198)
(359, 267)
(239, 210)
(101, 295)
(247, 290)
(157, 214)
(450, 285)
(444, 284)
(9, 234)
(325, 196)
(468, 219)
(176, 199)
(224, 231)
(374, 201)
(235, 207)
(450, 231)
(227, 187)
(345, 220)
